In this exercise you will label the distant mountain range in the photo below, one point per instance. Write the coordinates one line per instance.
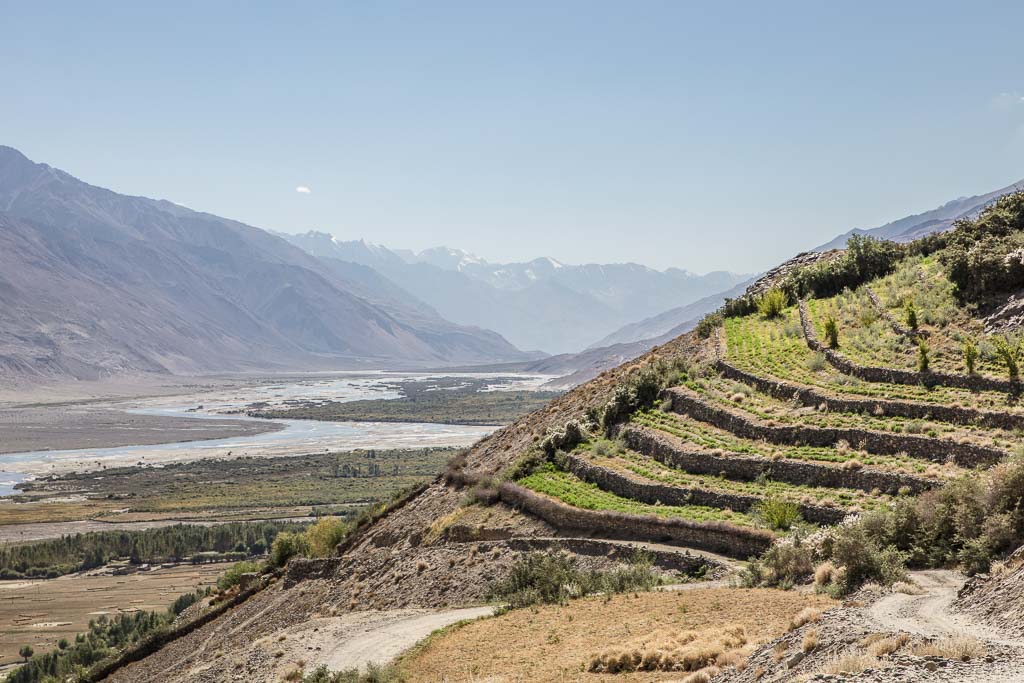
(95, 283)
(541, 304)
(919, 225)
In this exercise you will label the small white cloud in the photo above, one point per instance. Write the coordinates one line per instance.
(302, 189)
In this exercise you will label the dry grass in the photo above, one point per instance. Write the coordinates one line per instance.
(805, 616)
(686, 631)
(886, 646)
(824, 574)
(849, 663)
(810, 641)
(962, 647)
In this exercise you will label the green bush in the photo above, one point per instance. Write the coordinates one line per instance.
(777, 513)
(922, 356)
(233, 575)
(708, 324)
(971, 355)
(286, 546)
(785, 564)
(981, 255)
(832, 332)
(911, 313)
(554, 578)
(863, 559)
(1009, 353)
(323, 537)
(772, 303)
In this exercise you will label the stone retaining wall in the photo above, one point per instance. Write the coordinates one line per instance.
(896, 326)
(892, 375)
(662, 448)
(719, 537)
(927, 448)
(678, 561)
(909, 409)
(654, 493)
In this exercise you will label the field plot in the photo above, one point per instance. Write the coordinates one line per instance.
(559, 643)
(40, 613)
(777, 349)
(223, 490)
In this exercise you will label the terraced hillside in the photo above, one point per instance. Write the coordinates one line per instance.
(849, 412)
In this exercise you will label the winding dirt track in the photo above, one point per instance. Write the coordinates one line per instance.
(930, 613)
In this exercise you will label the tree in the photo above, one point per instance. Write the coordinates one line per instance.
(26, 651)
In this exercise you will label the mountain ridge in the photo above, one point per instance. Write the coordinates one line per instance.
(100, 283)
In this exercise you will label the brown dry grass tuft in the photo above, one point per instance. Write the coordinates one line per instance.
(805, 616)
(962, 647)
(810, 641)
(886, 646)
(849, 663)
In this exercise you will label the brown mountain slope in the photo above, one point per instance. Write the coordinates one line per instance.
(97, 283)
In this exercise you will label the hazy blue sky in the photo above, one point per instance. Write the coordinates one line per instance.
(706, 136)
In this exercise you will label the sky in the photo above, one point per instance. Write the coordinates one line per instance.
(698, 135)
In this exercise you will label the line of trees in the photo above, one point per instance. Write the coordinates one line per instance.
(78, 552)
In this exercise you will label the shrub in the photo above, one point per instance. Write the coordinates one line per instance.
(564, 439)
(554, 578)
(971, 354)
(982, 256)
(777, 513)
(233, 576)
(1009, 354)
(832, 332)
(922, 356)
(772, 303)
(863, 559)
(286, 546)
(911, 315)
(323, 537)
(785, 564)
(708, 324)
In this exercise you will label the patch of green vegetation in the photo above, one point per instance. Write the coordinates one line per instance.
(617, 457)
(465, 403)
(711, 438)
(323, 481)
(584, 495)
(555, 578)
(78, 552)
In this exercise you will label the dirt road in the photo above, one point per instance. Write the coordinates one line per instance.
(930, 613)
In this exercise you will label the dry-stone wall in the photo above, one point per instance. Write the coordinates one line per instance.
(654, 493)
(719, 537)
(927, 448)
(665, 450)
(908, 409)
(892, 375)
